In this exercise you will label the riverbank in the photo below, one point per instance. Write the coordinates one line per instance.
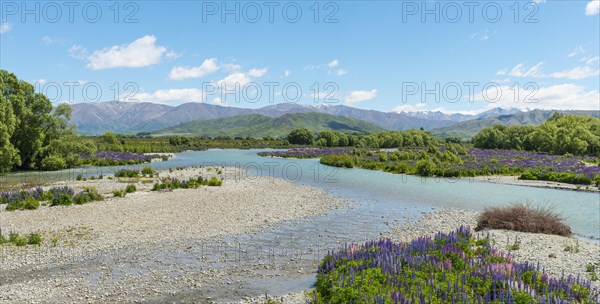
(127, 249)
(514, 180)
(556, 254)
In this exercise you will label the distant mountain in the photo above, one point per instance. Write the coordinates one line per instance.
(120, 117)
(458, 117)
(469, 128)
(256, 125)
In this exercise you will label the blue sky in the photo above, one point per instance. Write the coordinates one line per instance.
(381, 55)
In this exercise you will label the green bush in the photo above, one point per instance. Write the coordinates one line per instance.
(16, 239)
(31, 203)
(148, 171)
(127, 173)
(34, 239)
(130, 189)
(344, 160)
(213, 181)
(53, 162)
(119, 193)
(61, 200)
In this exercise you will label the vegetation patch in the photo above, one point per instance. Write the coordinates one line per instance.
(175, 183)
(522, 218)
(448, 268)
(20, 240)
(30, 199)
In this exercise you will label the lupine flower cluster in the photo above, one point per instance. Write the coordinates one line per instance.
(114, 158)
(27, 199)
(448, 268)
(10, 197)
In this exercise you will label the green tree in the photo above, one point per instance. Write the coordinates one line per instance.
(33, 134)
(109, 138)
(301, 136)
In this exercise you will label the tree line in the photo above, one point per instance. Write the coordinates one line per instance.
(384, 139)
(560, 134)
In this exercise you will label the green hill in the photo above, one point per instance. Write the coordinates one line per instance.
(469, 128)
(256, 125)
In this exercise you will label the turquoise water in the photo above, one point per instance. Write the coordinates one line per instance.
(385, 191)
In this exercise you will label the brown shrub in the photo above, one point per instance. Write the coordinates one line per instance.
(522, 218)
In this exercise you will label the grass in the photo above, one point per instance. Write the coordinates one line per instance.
(519, 217)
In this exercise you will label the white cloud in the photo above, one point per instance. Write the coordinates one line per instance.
(257, 72)
(78, 52)
(5, 27)
(286, 73)
(579, 72)
(591, 60)
(170, 96)
(562, 97)
(578, 50)
(183, 72)
(482, 36)
(341, 72)
(534, 71)
(142, 52)
(333, 63)
(592, 8)
(360, 96)
(173, 55)
(539, 1)
(47, 40)
(238, 80)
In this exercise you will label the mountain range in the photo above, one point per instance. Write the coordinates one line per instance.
(129, 117)
(257, 125)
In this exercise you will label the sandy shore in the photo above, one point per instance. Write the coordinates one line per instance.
(514, 180)
(143, 226)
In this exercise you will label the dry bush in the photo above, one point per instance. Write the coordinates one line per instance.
(522, 218)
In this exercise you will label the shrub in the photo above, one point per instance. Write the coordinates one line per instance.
(31, 204)
(344, 160)
(16, 239)
(130, 189)
(213, 181)
(61, 200)
(148, 171)
(521, 218)
(127, 173)
(425, 167)
(119, 193)
(34, 239)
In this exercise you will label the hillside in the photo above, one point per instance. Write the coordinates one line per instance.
(469, 128)
(256, 125)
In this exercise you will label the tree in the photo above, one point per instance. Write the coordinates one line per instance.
(109, 138)
(33, 134)
(301, 136)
